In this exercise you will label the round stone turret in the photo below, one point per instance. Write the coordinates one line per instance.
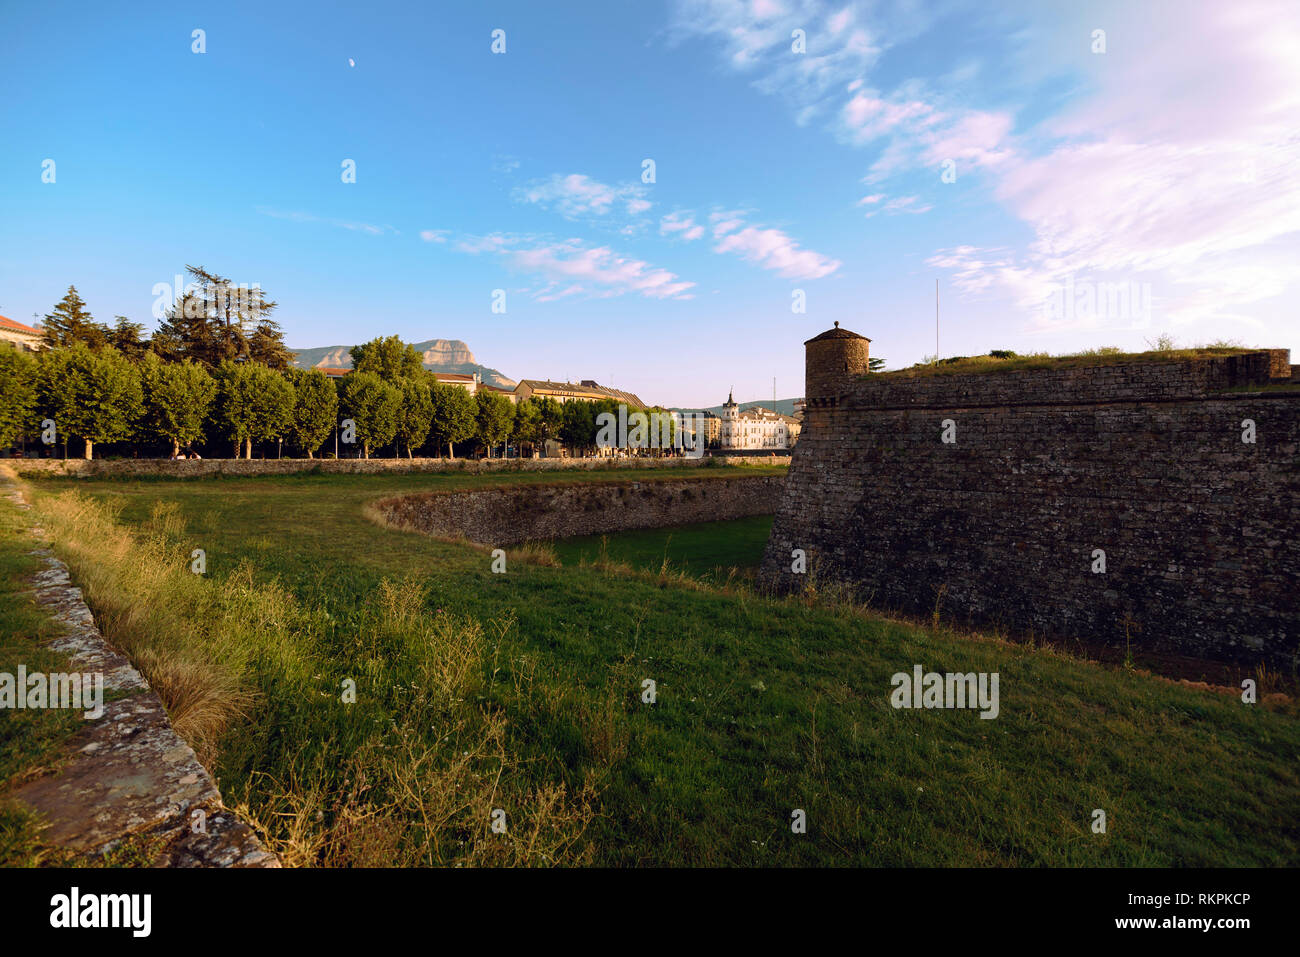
(833, 359)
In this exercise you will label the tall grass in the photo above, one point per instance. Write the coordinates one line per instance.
(1163, 350)
(190, 641)
(410, 772)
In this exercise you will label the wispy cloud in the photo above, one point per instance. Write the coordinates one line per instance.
(1165, 175)
(1170, 159)
(571, 267)
(769, 248)
(756, 37)
(682, 225)
(300, 217)
(576, 195)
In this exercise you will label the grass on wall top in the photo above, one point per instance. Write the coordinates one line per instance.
(1007, 361)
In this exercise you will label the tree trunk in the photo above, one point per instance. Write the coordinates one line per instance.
(365, 449)
(89, 447)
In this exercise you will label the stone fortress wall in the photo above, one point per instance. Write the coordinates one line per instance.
(1144, 461)
(512, 514)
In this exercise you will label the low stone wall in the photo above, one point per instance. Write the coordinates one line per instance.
(515, 514)
(202, 468)
(127, 773)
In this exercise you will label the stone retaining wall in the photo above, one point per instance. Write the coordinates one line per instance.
(128, 773)
(511, 515)
(201, 468)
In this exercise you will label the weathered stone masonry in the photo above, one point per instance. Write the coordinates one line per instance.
(509, 515)
(1201, 531)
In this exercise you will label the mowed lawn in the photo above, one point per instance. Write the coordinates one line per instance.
(762, 707)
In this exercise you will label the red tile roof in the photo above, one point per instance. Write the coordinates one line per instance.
(7, 323)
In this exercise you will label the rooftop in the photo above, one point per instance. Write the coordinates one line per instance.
(587, 388)
(836, 333)
(7, 323)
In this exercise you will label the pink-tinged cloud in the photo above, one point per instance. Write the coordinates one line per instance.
(682, 224)
(1178, 172)
(599, 269)
(576, 195)
(774, 250)
(867, 116)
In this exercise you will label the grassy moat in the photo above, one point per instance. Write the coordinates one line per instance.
(523, 691)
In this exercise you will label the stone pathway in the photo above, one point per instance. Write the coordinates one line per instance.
(128, 773)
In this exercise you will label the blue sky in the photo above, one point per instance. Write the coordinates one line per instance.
(1164, 164)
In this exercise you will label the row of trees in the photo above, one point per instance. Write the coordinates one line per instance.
(103, 397)
(203, 376)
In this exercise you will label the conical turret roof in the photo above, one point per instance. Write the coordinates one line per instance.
(836, 333)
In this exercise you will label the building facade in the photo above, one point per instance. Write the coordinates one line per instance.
(588, 390)
(22, 337)
(755, 428)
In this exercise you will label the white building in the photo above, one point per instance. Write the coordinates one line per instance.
(756, 428)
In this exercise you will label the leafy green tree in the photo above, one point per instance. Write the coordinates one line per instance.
(213, 320)
(662, 428)
(875, 364)
(17, 393)
(178, 399)
(389, 358)
(127, 337)
(266, 346)
(578, 425)
(528, 420)
(71, 322)
(373, 405)
(455, 417)
(199, 325)
(415, 416)
(95, 396)
(495, 417)
(315, 409)
(550, 418)
(254, 404)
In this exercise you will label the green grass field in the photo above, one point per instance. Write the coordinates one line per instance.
(523, 692)
(707, 550)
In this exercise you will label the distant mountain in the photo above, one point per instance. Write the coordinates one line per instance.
(783, 406)
(439, 355)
